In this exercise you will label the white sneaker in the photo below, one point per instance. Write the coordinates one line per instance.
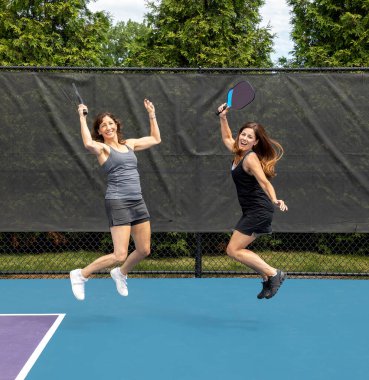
(120, 281)
(78, 284)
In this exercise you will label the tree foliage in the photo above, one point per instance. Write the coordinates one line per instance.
(52, 33)
(207, 33)
(126, 39)
(330, 32)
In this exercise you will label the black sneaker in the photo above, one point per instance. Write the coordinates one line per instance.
(275, 282)
(265, 291)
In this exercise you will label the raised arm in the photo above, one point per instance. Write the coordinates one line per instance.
(154, 138)
(225, 130)
(91, 145)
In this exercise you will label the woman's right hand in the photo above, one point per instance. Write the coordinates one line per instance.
(81, 108)
(223, 110)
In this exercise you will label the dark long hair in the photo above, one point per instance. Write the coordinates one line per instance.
(98, 120)
(268, 150)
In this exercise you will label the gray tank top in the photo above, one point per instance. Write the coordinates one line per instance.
(123, 177)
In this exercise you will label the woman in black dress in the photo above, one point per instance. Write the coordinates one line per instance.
(255, 156)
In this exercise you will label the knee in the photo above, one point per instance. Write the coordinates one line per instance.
(235, 252)
(120, 255)
(145, 251)
(231, 251)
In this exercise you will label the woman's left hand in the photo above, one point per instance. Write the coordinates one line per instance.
(281, 205)
(149, 107)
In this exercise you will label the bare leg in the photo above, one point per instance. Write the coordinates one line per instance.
(120, 236)
(237, 250)
(141, 234)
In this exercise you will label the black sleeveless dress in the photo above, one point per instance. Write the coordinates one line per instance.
(257, 208)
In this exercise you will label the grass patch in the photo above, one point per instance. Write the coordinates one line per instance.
(289, 261)
(296, 262)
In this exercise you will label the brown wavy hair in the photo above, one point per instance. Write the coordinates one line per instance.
(97, 122)
(268, 150)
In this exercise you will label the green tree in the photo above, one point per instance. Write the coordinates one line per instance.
(207, 33)
(125, 40)
(53, 33)
(330, 32)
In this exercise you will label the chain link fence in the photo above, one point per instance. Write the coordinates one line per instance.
(54, 254)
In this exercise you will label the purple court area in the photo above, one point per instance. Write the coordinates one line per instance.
(23, 338)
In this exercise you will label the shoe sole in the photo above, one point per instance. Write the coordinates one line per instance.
(116, 284)
(260, 297)
(78, 298)
(283, 277)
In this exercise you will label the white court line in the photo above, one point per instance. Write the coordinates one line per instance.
(37, 352)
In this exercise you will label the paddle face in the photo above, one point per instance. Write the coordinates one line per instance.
(79, 97)
(242, 94)
(239, 96)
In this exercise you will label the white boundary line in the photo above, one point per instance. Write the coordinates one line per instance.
(37, 352)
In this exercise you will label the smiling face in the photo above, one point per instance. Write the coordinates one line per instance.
(108, 128)
(246, 139)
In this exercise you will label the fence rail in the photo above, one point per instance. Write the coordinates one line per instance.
(184, 69)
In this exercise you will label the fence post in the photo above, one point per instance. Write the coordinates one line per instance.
(198, 256)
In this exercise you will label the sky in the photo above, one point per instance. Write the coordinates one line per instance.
(274, 12)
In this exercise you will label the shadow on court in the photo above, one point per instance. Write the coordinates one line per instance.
(199, 329)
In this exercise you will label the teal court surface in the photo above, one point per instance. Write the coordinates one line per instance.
(169, 329)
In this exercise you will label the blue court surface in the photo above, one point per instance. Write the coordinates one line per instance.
(171, 329)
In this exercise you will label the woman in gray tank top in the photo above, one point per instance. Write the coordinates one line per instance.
(255, 155)
(125, 207)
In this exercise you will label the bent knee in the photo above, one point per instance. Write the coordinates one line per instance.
(234, 251)
(145, 251)
(231, 251)
(120, 255)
